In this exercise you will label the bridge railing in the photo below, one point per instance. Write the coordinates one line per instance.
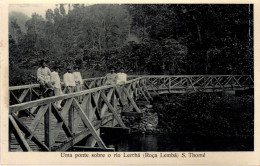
(24, 93)
(182, 83)
(51, 129)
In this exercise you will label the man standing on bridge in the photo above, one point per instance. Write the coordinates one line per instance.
(121, 76)
(44, 77)
(55, 80)
(78, 81)
(69, 81)
(111, 78)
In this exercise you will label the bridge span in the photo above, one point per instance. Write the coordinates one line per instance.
(50, 129)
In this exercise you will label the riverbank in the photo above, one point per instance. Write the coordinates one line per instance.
(198, 121)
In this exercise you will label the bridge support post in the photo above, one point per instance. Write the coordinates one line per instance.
(47, 127)
(131, 100)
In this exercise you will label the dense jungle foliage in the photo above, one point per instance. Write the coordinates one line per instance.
(206, 114)
(144, 38)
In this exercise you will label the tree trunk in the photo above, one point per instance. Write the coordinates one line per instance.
(198, 28)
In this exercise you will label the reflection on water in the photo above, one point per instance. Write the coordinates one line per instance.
(166, 142)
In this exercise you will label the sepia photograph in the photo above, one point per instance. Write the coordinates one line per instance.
(129, 83)
(131, 78)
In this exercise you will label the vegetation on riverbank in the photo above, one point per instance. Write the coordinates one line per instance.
(206, 114)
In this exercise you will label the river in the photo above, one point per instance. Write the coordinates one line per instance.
(165, 142)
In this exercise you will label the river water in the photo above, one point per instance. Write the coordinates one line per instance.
(166, 142)
(236, 113)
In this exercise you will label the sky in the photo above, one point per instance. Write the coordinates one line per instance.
(29, 9)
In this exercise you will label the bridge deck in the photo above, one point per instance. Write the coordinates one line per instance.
(14, 144)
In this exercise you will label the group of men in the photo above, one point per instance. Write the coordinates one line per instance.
(50, 81)
(115, 78)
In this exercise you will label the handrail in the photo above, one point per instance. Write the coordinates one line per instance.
(37, 85)
(167, 83)
(52, 99)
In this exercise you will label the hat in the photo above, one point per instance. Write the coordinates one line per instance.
(76, 66)
(43, 60)
(69, 68)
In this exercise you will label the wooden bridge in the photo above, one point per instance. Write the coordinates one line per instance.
(97, 107)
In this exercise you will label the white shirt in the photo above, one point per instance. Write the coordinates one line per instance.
(121, 77)
(55, 78)
(77, 77)
(44, 74)
(68, 79)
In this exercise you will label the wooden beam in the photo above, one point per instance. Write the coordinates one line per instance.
(59, 118)
(71, 119)
(78, 137)
(91, 141)
(47, 127)
(36, 94)
(20, 138)
(23, 95)
(64, 113)
(23, 87)
(34, 124)
(30, 135)
(112, 110)
(105, 107)
(132, 101)
(88, 124)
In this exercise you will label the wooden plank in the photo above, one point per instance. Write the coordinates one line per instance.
(89, 125)
(89, 108)
(29, 133)
(23, 143)
(147, 92)
(113, 110)
(38, 118)
(64, 112)
(144, 95)
(47, 127)
(96, 107)
(59, 118)
(24, 87)
(131, 100)
(105, 107)
(119, 95)
(91, 141)
(35, 93)
(78, 137)
(71, 119)
(23, 95)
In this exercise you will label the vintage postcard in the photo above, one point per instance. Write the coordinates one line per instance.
(129, 82)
